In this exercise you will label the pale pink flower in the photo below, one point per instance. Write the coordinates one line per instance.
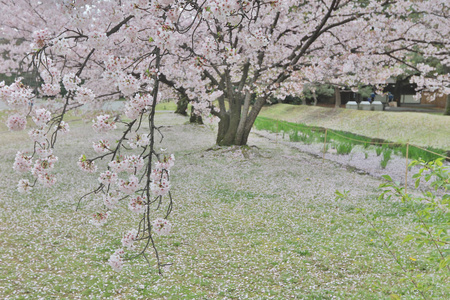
(86, 164)
(63, 127)
(71, 81)
(40, 38)
(103, 124)
(116, 261)
(161, 226)
(160, 184)
(51, 89)
(128, 85)
(110, 200)
(44, 153)
(138, 140)
(43, 165)
(84, 95)
(37, 135)
(24, 186)
(41, 117)
(128, 186)
(107, 177)
(16, 122)
(97, 39)
(137, 204)
(46, 179)
(129, 238)
(166, 163)
(99, 218)
(135, 163)
(120, 164)
(101, 146)
(22, 162)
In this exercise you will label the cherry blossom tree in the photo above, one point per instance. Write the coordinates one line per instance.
(68, 59)
(227, 57)
(243, 52)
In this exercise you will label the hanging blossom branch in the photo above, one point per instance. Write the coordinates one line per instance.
(135, 172)
(155, 179)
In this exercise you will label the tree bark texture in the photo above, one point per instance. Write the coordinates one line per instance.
(182, 105)
(337, 97)
(447, 106)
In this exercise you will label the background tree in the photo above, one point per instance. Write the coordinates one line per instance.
(240, 50)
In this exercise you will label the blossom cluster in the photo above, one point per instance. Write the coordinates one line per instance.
(103, 124)
(160, 184)
(129, 164)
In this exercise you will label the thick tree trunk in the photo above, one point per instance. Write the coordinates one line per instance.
(337, 97)
(229, 124)
(195, 119)
(223, 128)
(315, 98)
(182, 105)
(447, 106)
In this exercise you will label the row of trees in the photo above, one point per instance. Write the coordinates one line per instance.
(234, 51)
(227, 57)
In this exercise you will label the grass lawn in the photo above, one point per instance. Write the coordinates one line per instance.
(421, 129)
(262, 223)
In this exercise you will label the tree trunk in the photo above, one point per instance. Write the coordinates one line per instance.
(398, 92)
(447, 106)
(337, 97)
(315, 98)
(195, 119)
(228, 133)
(182, 105)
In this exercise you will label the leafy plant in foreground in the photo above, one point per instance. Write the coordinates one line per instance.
(431, 211)
(386, 157)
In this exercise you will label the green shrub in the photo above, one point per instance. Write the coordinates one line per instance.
(430, 237)
(378, 150)
(386, 157)
(344, 148)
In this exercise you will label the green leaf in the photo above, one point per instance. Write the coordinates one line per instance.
(417, 183)
(442, 264)
(395, 297)
(408, 238)
(387, 177)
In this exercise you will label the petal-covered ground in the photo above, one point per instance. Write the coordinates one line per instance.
(260, 223)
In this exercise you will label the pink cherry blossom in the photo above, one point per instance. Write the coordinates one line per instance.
(99, 218)
(86, 165)
(161, 226)
(37, 135)
(119, 164)
(128, 186)
(129, 238)
(63, 127)
(110, 200)
(137, 204)
(101, 146)
(16, 122)
(108, 177)
(24, 186)
(22, 162)
(84, 95)
(41, 117)
(116, 260)
(46, 179)
(134, 163)
(138, 140)
(71, 82)
(103, 124)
